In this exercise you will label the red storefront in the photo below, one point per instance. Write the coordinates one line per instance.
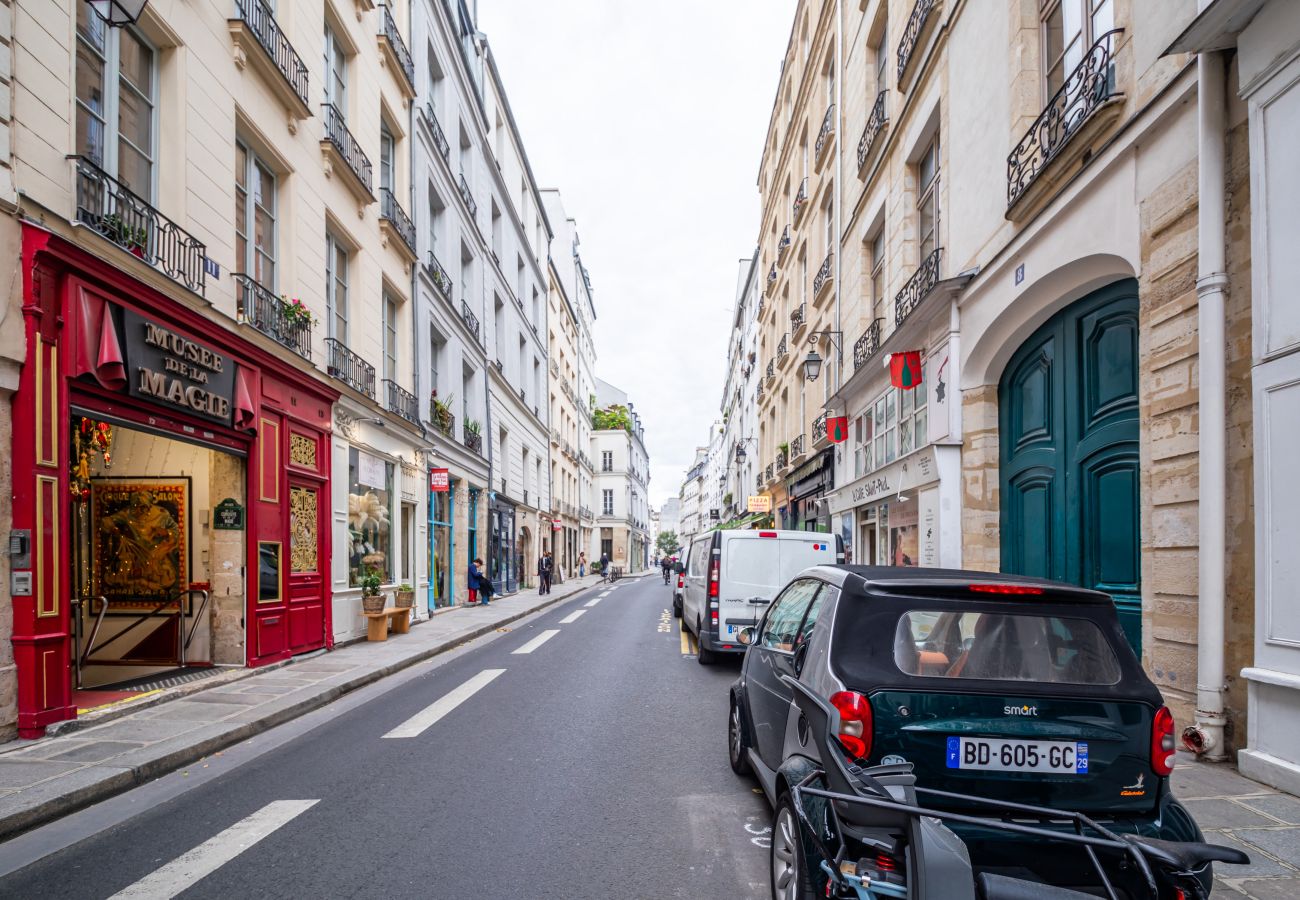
(170, 490)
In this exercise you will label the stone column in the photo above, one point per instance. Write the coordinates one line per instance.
(981, 546)
(226, 479)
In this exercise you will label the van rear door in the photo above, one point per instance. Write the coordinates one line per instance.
(756, 565)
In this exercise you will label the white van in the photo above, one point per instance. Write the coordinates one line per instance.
(731, 577)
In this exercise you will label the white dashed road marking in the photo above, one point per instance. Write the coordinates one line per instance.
(572, 617)
(594, 600)
(538, 641)
(418, 723)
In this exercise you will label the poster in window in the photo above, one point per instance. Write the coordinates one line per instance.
(140, 531)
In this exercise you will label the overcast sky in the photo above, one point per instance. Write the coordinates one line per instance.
(650, 119)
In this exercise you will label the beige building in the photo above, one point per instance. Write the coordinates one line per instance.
(566, 419)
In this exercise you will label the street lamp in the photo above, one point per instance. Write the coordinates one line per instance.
(118, 13)
(812, 363)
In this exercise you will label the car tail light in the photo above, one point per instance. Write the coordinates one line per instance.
(1162, 742)
(855, 722)
(713, 578)
(681, 580)
(767, 534)
(1005, 589)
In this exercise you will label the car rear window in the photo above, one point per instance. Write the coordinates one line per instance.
(1004, 647)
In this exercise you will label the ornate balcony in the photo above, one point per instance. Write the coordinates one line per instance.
(771, 282)
(340, 143)
(800, 201)
(587, 514)
(867, 345)
(111, 209)
(471, 321)
(393, 218)
(824, 136)
(759, 483)
(444, 420)
(395, 54)
(349, 368)
(819, 431)
(1087, 89)
(825, 276)
(782, 459)
(400, 401)
(783, 245)
(783, 348)
(441, 280)
(266, 312)
(769, 474)
(473, 441)
(273, 56)
(798, 318)
(907, 44)
(435, 129)
(798, 448)
(918, 287)
(467, 195)
(876, 124)
(771, 371)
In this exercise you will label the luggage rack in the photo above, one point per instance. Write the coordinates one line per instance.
(83, 656)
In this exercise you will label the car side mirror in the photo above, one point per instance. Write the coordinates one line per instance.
(747, 635)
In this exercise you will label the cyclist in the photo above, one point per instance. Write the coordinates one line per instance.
(667, 565)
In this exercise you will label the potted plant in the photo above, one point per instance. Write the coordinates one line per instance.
(782, 454)
(295, 312)
(115, 228)
(372, 601)
(440, 412)
(472, 426)
(405, 596)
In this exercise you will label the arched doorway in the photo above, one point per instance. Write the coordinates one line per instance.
(1068, 428)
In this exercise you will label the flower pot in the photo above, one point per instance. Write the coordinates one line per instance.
(405, 599)
(372, 603)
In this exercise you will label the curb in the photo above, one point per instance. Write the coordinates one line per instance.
(125, 779)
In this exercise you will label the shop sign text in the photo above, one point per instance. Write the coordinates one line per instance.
(171, 369)
(439, 481)
(869, 490)
(228, 516)
(759, 503)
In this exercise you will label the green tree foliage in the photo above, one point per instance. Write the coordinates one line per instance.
(666, 543)
(616, 416)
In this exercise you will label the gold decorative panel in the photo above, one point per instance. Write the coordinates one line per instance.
(303, 526)
(302, 450)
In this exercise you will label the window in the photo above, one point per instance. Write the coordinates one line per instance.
(810, 620)
(862, 444)
(781, 625)
(607, 460)
(927, 204)
(885, 429)
(436, 343)
(117, 95)
(1069, 28)
(878, 275)
(336, 72)
(894, 427)
(254, 217)
(607, 502)
(387, 156)
(370, 494)
(881, 51)
(390, 337)
(336, 287)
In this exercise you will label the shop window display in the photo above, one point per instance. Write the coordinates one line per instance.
(370, 502)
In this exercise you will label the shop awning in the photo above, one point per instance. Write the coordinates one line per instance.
(99, 354)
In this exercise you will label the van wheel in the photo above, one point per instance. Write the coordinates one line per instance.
(677, 607)
(737, 744)
(703, 655)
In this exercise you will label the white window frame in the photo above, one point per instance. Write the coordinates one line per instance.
(336, 72)
(247, 229)
(333, 278)
(877, 277)
(928, 195)
(390, 306)
(606, 502)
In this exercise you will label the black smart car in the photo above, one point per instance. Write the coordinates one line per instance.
(1005, 687)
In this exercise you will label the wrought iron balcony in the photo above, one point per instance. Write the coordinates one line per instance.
(441, 280)
(435, 128)
(758, 481)
(876, 123)
(266, 312)
(825, 276)
(349, 368)
(758, 395)
(783, 348)
(770, 473)
(473, 441)
(123, 217)
(442, 419)
(587, 513)
(824, 136)
(819, 430)
(471, 321)
(918, 287)
(399, 400)
(797, 318)
(867, 345)
(783, 244)
(338, 136)
(912, 33)
(397, 47)
(771, 281)
(391, 211)
(771, 371)
(258, 18)
(800, 200)
(797, 447)
(782, 459)
(467, 195)
(1086, 89)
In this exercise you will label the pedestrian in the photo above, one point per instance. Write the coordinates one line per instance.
(604, 567)
(582, 564)
(484, 587)
(544, 569)
(475, 575)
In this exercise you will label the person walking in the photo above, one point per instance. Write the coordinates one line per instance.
(544, 569)
(475, 574)
(604, 567)
(582, 564)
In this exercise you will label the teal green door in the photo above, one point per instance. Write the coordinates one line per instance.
(1068, 429)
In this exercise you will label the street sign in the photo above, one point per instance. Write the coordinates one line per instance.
(759, 503)
(228, 515)
(439, 482)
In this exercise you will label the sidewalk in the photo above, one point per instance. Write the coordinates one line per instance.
(43, 779)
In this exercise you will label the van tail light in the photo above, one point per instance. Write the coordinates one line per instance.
(856, 725)
(713, 578)
(713, 616)
(1162, 742)
(767, 534)
(681, 580)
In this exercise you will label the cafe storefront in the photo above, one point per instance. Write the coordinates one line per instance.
(170, 485)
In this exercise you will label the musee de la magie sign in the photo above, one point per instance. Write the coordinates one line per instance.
(169, 368)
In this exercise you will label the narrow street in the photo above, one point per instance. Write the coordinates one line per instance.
(580, 753)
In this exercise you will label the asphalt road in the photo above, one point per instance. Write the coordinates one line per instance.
(591, 765)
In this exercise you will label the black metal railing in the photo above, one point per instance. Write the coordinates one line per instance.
(797, 447)
(336, 132)
(783, 244)
(800, 200)
(1090, 85)
(917, 287)
(261, 22)
(770, 473)
(125, 218)
(349, 368)
(771, 280)
(828, 129)
(587, 513)
(867, 345)
(471, 321)
(797, 317)
(435, 128)
(399, 400)
(467, 195)
(783, 348)
(912, 33)
(876, 123)
(473, 442)
(394, 38)
(268, 314)
(819, 429)
(782, 458)
(392, 211)
(441, 280)
(758, 394)
(825, 274)
(442, 419)
(771, 370)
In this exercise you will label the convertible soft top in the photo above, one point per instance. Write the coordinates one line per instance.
(961, 583)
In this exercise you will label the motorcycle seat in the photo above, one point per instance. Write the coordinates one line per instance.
(1004, 887)
(1186, 856)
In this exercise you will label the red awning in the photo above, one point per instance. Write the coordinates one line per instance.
(98, 352)
(245, 412)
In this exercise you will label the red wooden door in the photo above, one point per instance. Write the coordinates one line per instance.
(307, 565)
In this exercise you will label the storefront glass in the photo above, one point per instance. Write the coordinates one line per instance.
(441, 505)
(370, 508)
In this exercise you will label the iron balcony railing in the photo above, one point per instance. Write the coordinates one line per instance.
(917, 287)
(266, 312)
(441, 280)
(771, 370)
(435, 128)
(819, 429)
(876, 123)
(391, 210)
(473, 441)
(1088, 87)
(797, 317)
(349, 368)
(758, 395)
(587, 513)
(783, 348)
(116, 212)
(261, 22)
(823, 136)
(797, 447)
(394, 38)
(771, 281)
(471, 321)
(867, 345)
(770, 473)
(442, 419)
(336, 132)
(467, 195)
(825, 275)
(800, 200)
(783, 244)
(912, 33)
(399, 400)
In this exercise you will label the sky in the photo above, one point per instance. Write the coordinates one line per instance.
(650, 119)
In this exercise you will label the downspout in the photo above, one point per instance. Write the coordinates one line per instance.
(839, 190)
(1205, 737)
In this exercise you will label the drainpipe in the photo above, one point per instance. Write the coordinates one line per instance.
(1205, 737)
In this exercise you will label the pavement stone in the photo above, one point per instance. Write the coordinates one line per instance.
(1284, 843)
(1201, 779)
(1260, 863)
(97, 751)
(1279, 806)
(134, 728)
(1217, 812)
(245, 698)
(22, 773)
(1271, 888)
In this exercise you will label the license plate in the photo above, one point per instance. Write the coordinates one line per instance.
(998, 755)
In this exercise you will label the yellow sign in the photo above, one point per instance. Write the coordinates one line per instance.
(760, 504)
